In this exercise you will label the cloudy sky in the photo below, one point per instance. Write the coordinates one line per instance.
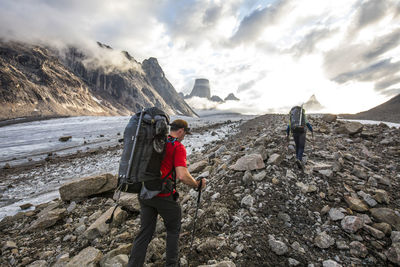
(271, 54)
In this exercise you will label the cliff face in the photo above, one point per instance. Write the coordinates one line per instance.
(38, 81)
(163, 87)
(33, 82)
(201, 88)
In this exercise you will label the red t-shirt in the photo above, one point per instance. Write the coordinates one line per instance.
(175, 156)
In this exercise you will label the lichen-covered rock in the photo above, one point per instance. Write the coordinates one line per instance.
(87, 186)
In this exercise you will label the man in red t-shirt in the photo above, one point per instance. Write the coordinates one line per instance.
(165, 202)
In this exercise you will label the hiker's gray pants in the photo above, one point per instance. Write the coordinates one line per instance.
(170, 211)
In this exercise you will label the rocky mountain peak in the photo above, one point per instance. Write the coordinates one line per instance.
(231, 96)
(313, 104)
(201, 88)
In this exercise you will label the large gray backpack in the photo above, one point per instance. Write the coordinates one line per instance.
(297, 119)
(145, 139)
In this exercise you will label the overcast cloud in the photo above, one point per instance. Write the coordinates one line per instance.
(271, 54)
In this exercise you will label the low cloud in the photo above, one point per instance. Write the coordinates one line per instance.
(254, 24)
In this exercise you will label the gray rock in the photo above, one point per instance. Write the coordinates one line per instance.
(329, 118)
(290, 174)
(117, 261)
(393, 253)
(350, 128)
(395, 236)
(327, 173)
(330, 263)
(215, 196)
(220, 264)
(100, 227)
(71, 206)
(212, 244)
(247, 177)
(87, 186)
(386, 215)
(9, 245)
(129, 201)
(278, 247)
(297, 247)
(358, 249)
(374, 232)
(351, 224)
(198, 166)
(381, 196)
(323, 240)
(249, 162)
(367, 198)
(38, 263)
(247, 201)
(274, 159)
(340, 244)
(293, 262)
(383, 227)
(89, 256)
(335, 214)
(356, 204)
(48, 219)
(260, 176)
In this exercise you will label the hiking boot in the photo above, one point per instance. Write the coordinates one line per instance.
(299, 164)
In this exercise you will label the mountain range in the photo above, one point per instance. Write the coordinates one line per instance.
(40, 81)
(388, 111)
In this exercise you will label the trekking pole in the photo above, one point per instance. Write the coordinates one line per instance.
(125, 177)
(195, 215)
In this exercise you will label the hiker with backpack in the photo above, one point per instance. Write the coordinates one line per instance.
(156, 160)
(297, 123)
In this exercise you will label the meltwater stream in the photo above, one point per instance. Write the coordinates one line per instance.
(25, 143)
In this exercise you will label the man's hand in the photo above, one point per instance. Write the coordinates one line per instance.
(203, 183)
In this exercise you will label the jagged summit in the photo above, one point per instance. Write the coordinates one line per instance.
(41, 81)
(231, 96)
(313, 104)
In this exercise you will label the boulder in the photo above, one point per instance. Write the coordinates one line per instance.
(336, 214)
(386, 215)
(274, 159)
(351, 224)
(323, 240)
(129, 201)
(198, 166)
(350, 128)
(278, 247)
(329, 118)
(47, 219)
(249, 162)
(374, 232)
(87, 186)
(358, 249)
(100, 227)
(393, 253)
(88, 257)
(356, 204)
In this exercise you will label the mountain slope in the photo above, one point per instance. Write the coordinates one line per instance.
(388, 111)
(38, 81)
(34, 83)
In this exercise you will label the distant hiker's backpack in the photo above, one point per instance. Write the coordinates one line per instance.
(145, 139)
(297, 119)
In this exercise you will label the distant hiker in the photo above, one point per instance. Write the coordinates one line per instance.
(164, 203)
(297, 123)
